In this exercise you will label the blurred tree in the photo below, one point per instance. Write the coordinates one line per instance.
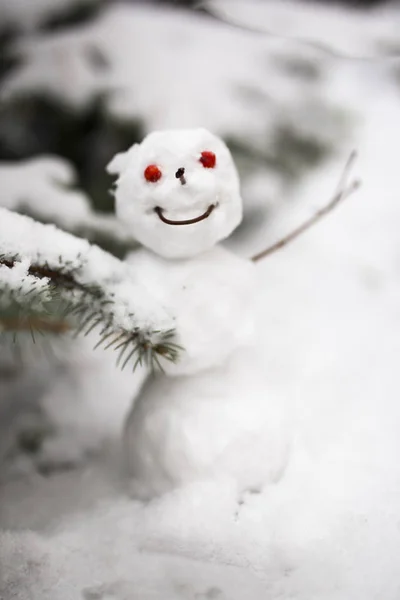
(38, 124)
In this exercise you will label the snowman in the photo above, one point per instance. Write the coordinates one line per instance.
(211, 414)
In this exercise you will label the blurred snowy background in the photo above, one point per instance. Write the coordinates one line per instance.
(293, 88)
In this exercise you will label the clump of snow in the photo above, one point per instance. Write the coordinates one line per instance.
(45, 187)
(185, 429)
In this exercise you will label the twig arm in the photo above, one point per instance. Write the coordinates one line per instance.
(343, 191)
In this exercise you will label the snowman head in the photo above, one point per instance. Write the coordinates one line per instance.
(178, 191)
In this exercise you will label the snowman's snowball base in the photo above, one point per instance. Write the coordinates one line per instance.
(220, 422)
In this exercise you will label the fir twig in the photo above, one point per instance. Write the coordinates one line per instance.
(56, 276)
(85, 290)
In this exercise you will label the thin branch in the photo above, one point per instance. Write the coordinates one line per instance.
(343, 191)
(56, 276)
(92, 309)
(33, 323)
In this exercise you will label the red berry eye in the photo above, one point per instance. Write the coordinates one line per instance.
(208, 159)
(152, 173)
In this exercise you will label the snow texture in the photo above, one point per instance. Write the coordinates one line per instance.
(208, 426)
(44, 186)
(73, 403)
(198, 420)
(212, 298)
(329, 345)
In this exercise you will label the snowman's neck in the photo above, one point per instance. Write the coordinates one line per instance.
(215, 251)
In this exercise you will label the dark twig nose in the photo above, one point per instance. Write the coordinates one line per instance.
(180, 174)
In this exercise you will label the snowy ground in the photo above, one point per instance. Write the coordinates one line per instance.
(330, 342)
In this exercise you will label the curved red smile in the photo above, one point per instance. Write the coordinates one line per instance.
(208, 212)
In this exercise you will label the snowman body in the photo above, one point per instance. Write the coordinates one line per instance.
(209, 414)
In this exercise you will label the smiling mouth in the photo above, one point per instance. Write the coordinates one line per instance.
(205, 215)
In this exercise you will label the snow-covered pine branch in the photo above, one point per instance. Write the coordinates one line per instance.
(51, 280)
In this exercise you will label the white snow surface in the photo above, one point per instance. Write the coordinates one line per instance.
(329, 344)
(330, 527)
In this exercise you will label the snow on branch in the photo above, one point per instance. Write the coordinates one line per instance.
(43, 188)
(51, 280)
